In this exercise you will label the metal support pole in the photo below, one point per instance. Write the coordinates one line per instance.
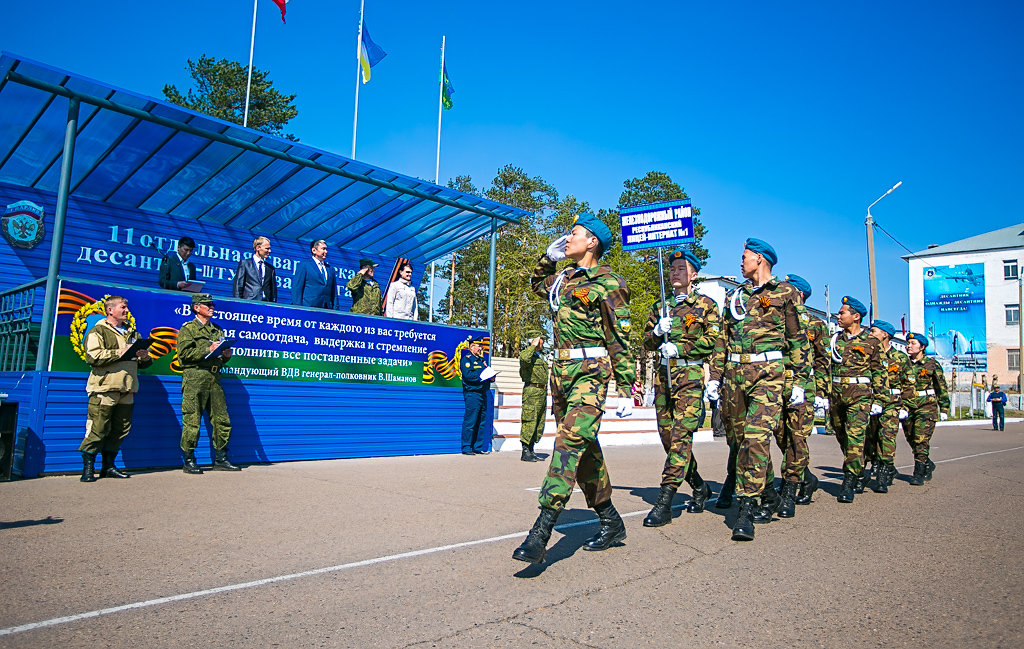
(1020, 339)
(430, 295)
(490, 280)
(869, 223)
(664, 314)
(57, 242)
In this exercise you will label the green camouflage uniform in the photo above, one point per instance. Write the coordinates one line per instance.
(880, 446)
(592, 311)
(366, 295)
(924, 409)
(851, 402)
(696, 324)
(752, 392)
(533, 370)
(798, 421)
(200, 385)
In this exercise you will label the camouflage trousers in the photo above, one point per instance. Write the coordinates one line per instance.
(792, 440)
(918, 428)
(578, 391)
(752, 405)
(201, 392)
(109, 422)
(676, 426)
(850, 414)
(880, 443)
(534, 413)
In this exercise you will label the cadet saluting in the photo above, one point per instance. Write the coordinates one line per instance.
(590, 306)
(923, 407)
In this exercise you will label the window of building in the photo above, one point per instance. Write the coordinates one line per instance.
(1009, 269)
(1013, 314)
(1013, 360)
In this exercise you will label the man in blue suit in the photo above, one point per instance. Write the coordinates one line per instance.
(315, 284)
(177, 271)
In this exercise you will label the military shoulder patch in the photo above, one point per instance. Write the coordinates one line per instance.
(625, 325)
(583, 294)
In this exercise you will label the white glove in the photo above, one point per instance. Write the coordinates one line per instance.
(663, 327)
(556, 251)
(625, 408)
(819, 412)
(712, 390)
(797, 397)
(943, 416)
(903, 414)
(669, 350)
(828, 404)
(876, 409)
(820, 403)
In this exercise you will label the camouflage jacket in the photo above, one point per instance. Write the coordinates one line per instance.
(897, 366)
(103, 345)
(821, 351)
(194, 340)
(532, 367)
(366, 295)
(927, 375)
(861, 357)
(696, 325)
(590, 308)
(769, 322)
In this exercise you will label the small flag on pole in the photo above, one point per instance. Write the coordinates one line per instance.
(447, 89)
(281, 5)
(370, 54)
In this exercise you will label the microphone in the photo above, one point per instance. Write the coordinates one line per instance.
(161, 252)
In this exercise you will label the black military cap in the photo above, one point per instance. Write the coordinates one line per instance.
(363, 263)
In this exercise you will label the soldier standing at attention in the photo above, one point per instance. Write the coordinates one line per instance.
(860, 390)
(692, 323)
(590, 313)
(366, 293)
(761, 339)
(882, 429)
(200, 386)
(929, 395)
(533, 370)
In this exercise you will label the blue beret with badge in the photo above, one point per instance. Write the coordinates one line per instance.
(884, 326)
(683, 253)
(921, 338)
(800, 284)
(596, 227)
(856, 305)
(762, 248)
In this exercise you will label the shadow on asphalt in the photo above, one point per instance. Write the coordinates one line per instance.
(49, 520)
(572, 540)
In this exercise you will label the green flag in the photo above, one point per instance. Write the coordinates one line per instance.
(447, 89)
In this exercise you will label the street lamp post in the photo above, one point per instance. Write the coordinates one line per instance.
(869, 223)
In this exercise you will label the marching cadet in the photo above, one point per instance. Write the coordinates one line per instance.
(685, 334)
(533, 370)
(590, 313)
(761, 338)
(880, 446)
(923, 405)
(860, 390)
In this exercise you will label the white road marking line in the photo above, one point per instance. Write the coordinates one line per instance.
(345, 566)
(952, 459)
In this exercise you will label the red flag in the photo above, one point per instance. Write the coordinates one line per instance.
(903, 325)
(281, 4)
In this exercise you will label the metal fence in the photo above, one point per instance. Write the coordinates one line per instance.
(20, 310)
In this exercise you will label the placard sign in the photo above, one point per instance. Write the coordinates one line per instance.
(667, 224)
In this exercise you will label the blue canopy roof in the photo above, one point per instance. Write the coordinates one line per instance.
(144, 153)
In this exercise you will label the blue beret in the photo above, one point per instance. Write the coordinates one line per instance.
(856, 305)
(762, 248)
(683, 253)
(884, 326)
(596, 227)
(921, 338)
(800, 284)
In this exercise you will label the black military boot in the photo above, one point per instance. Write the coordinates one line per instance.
(919, 470)
(701, 493)
(881, 480)
(109, 470)
(890, 474)
(526, 456)
(787, 508)
(928, 468)
(612, 531)
(862, 481)
(724, 500)
(88, 462)
(221, 461)
(190, 463)
(743, 528)
(770, 503)
(533, 456)
(848, 489)
(807, 488)
(534, 548)
(661, 513)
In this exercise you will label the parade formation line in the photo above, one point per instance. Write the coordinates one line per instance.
(347, 566)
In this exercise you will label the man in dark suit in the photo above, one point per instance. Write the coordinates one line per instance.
(177, 271)
(315, 283)
(254, 279)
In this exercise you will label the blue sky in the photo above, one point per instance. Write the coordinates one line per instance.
(782, 121)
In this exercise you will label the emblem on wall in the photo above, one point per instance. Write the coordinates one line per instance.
(22, 224)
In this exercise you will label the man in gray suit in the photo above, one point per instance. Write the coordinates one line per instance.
(254, 279)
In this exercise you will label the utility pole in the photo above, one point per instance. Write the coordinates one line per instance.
(869, 223)
(1020, 340)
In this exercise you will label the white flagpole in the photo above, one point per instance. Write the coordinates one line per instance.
(359, 49)
(248, 83)
(437, 166)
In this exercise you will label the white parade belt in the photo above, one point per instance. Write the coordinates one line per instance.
(580, 353)
(895, 391)
(851, 380)
(676, 362)
(926, 393)
(755, 358)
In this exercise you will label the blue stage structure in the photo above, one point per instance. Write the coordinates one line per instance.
(97, 184)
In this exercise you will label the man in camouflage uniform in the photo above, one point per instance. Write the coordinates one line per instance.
(923, 403)
(590, 313)
(860, 390)
(761, 338)
(880, 445)
(533, 370)
(366, 293)
(685, 334)
(200, 386)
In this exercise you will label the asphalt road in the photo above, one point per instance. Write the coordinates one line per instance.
(930, 566)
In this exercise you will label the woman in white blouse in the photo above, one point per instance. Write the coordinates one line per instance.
(401, 299)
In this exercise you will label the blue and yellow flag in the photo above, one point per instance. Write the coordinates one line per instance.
(370, 54)
(447, 89)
